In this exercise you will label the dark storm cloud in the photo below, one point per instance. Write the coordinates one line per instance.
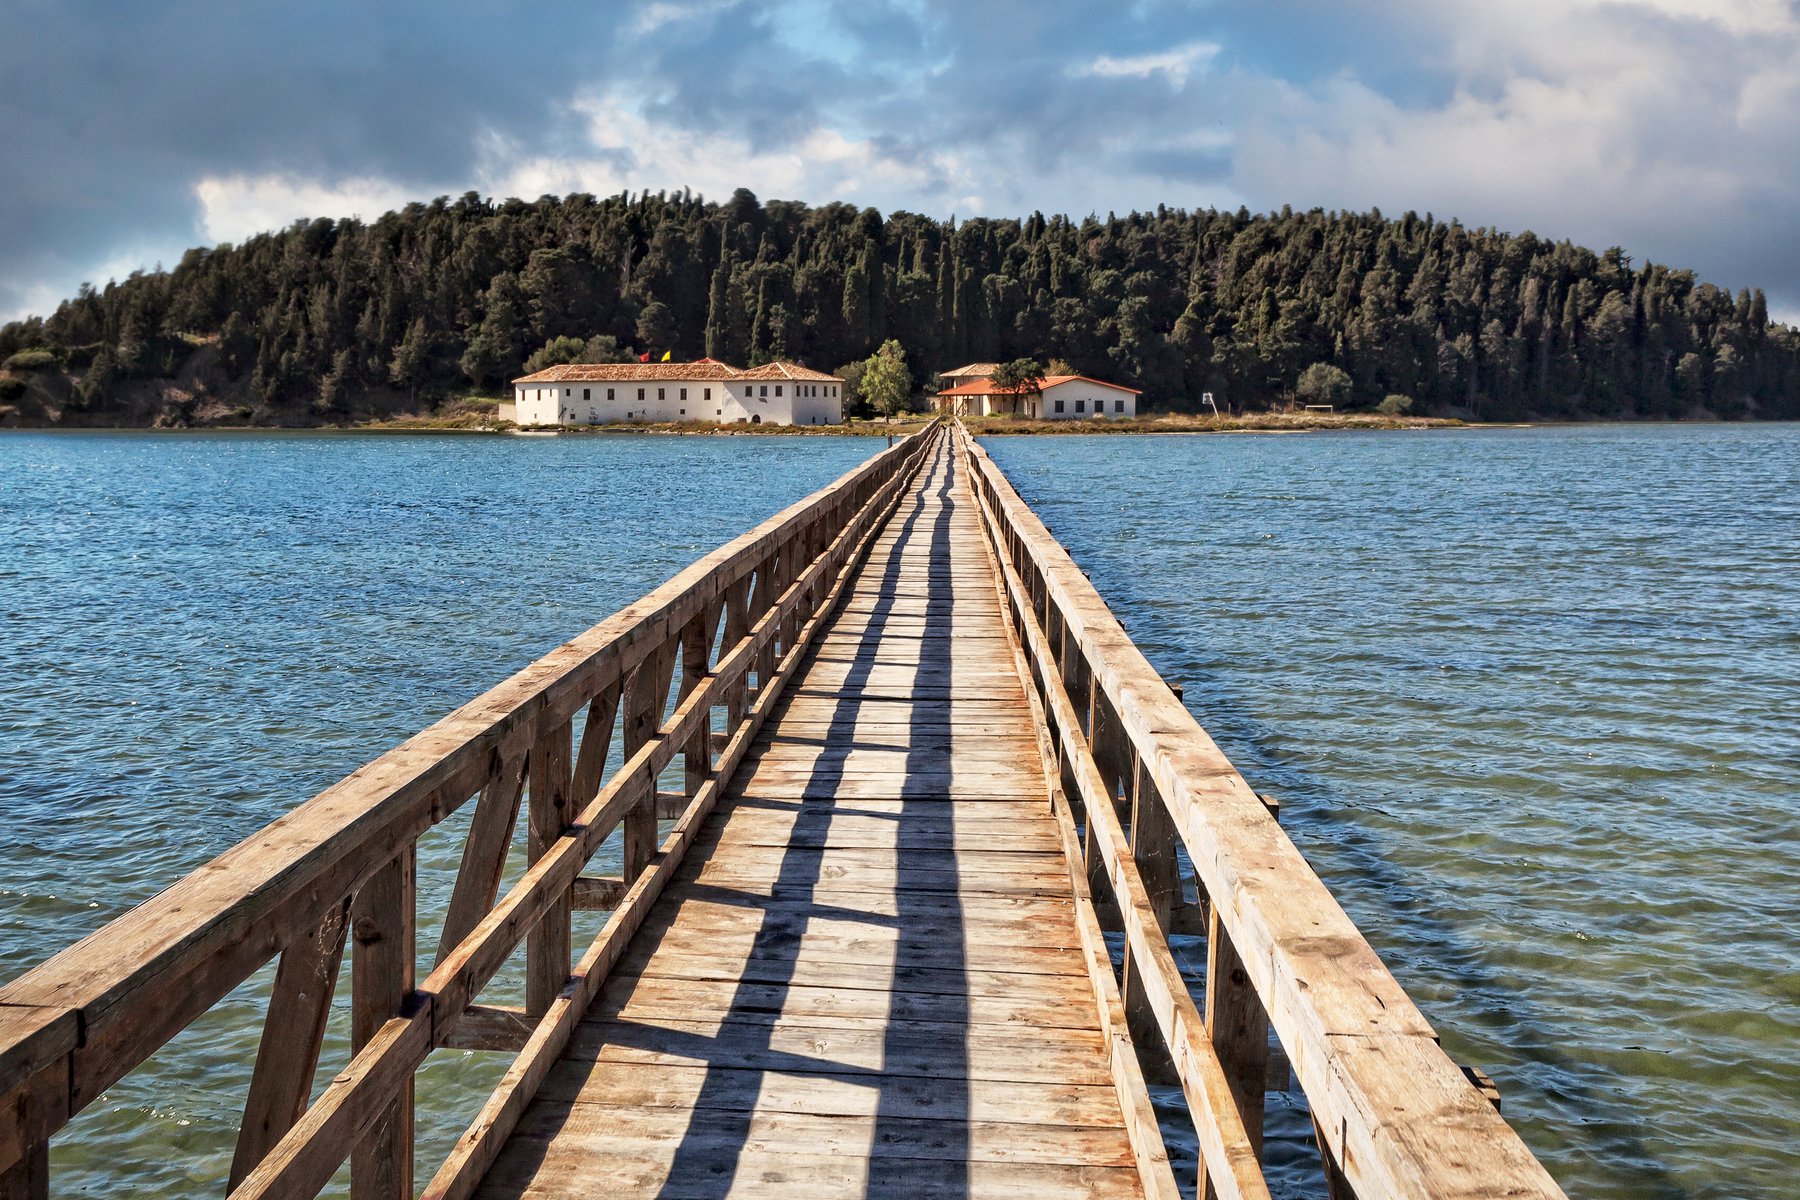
(1662, 125)
(112, 112)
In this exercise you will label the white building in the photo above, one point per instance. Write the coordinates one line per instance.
(780, 393)
(1059, 398)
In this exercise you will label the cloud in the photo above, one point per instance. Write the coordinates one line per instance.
(1175, 64)
(234, 207)
(1661, 125)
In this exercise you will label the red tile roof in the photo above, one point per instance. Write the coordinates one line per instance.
(986, 387)
(788, 370)
(706, 371)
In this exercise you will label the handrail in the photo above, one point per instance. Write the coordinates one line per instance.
(1395, 1116)
(340, 869)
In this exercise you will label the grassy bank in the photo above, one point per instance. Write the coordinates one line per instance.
(1270, 422)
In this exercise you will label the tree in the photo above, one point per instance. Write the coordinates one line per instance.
(100, 378)
(237, 346)
(1323, 383)
(855, 403)
(886, 380)
(1022, 375)
(412, 358)
(656, 327)
(1179, 303)
(602, 348)
(334, 385)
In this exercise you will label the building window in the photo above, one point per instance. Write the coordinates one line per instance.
(707, 395)
(1081, 406)
(568, 391)
(1059, 406)
(684, 411)
(719, 413)
(660, 393)
(765, 391)
(587, 393)
(609, 393)
(640, 397)
(778, 391)
(1118, 406)
(684, 397)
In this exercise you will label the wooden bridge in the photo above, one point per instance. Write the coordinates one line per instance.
(881, 775)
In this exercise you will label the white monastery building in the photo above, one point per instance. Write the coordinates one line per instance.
(778, 393)
(1059, 398)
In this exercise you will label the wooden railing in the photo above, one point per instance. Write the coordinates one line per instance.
(692, 669)
(1133, 775)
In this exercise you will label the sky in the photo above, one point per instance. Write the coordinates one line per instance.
(134, 130)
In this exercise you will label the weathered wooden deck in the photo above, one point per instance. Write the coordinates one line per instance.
(867, 979)
(863, 951)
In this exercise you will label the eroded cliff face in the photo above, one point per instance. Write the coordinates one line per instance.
(200, 394)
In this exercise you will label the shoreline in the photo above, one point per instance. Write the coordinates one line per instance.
(1165, 425)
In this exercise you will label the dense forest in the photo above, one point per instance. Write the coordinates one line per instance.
(454, 296)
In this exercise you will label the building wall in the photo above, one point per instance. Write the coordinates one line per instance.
(592, 403)
(1078, 398)
(762, 402)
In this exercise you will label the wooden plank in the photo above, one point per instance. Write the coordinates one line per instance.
(484, 853)
(1036, 1056)
(1231, 1163)
(477, 1149)
(1316, 975)
(143, 978)
(293, 1034)
(762, 1175)
(549, 944)
(381, 985)
(646, 696)
(595, 1131)
(687, 1088)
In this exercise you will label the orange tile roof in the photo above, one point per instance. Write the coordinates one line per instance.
(629, 372)
(973, 369)
(706, 371)
(789, 370)
(986, 387)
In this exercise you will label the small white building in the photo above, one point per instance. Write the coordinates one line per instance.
(780, 393)
(1058, 398)
(969, 373)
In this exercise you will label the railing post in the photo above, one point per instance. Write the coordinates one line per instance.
(39, 1106)
(647, 696)
(1238, 1026)
(1153, 849)
(381, 983)
(696, 663)
(550, 943)
(293, 1033)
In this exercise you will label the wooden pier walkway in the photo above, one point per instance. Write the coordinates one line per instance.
(867, 979)
(861, 951)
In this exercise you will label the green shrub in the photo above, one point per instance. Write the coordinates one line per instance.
(1395, 405)
(31, 360)
(1323, 383)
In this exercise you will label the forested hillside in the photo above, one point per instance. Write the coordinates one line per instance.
(452, 296)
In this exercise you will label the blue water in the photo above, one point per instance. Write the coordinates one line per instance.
(1527, 697)
(201, 631)
(1529, 700)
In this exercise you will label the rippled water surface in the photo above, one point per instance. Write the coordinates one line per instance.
(1529, 698)
(201, 631)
